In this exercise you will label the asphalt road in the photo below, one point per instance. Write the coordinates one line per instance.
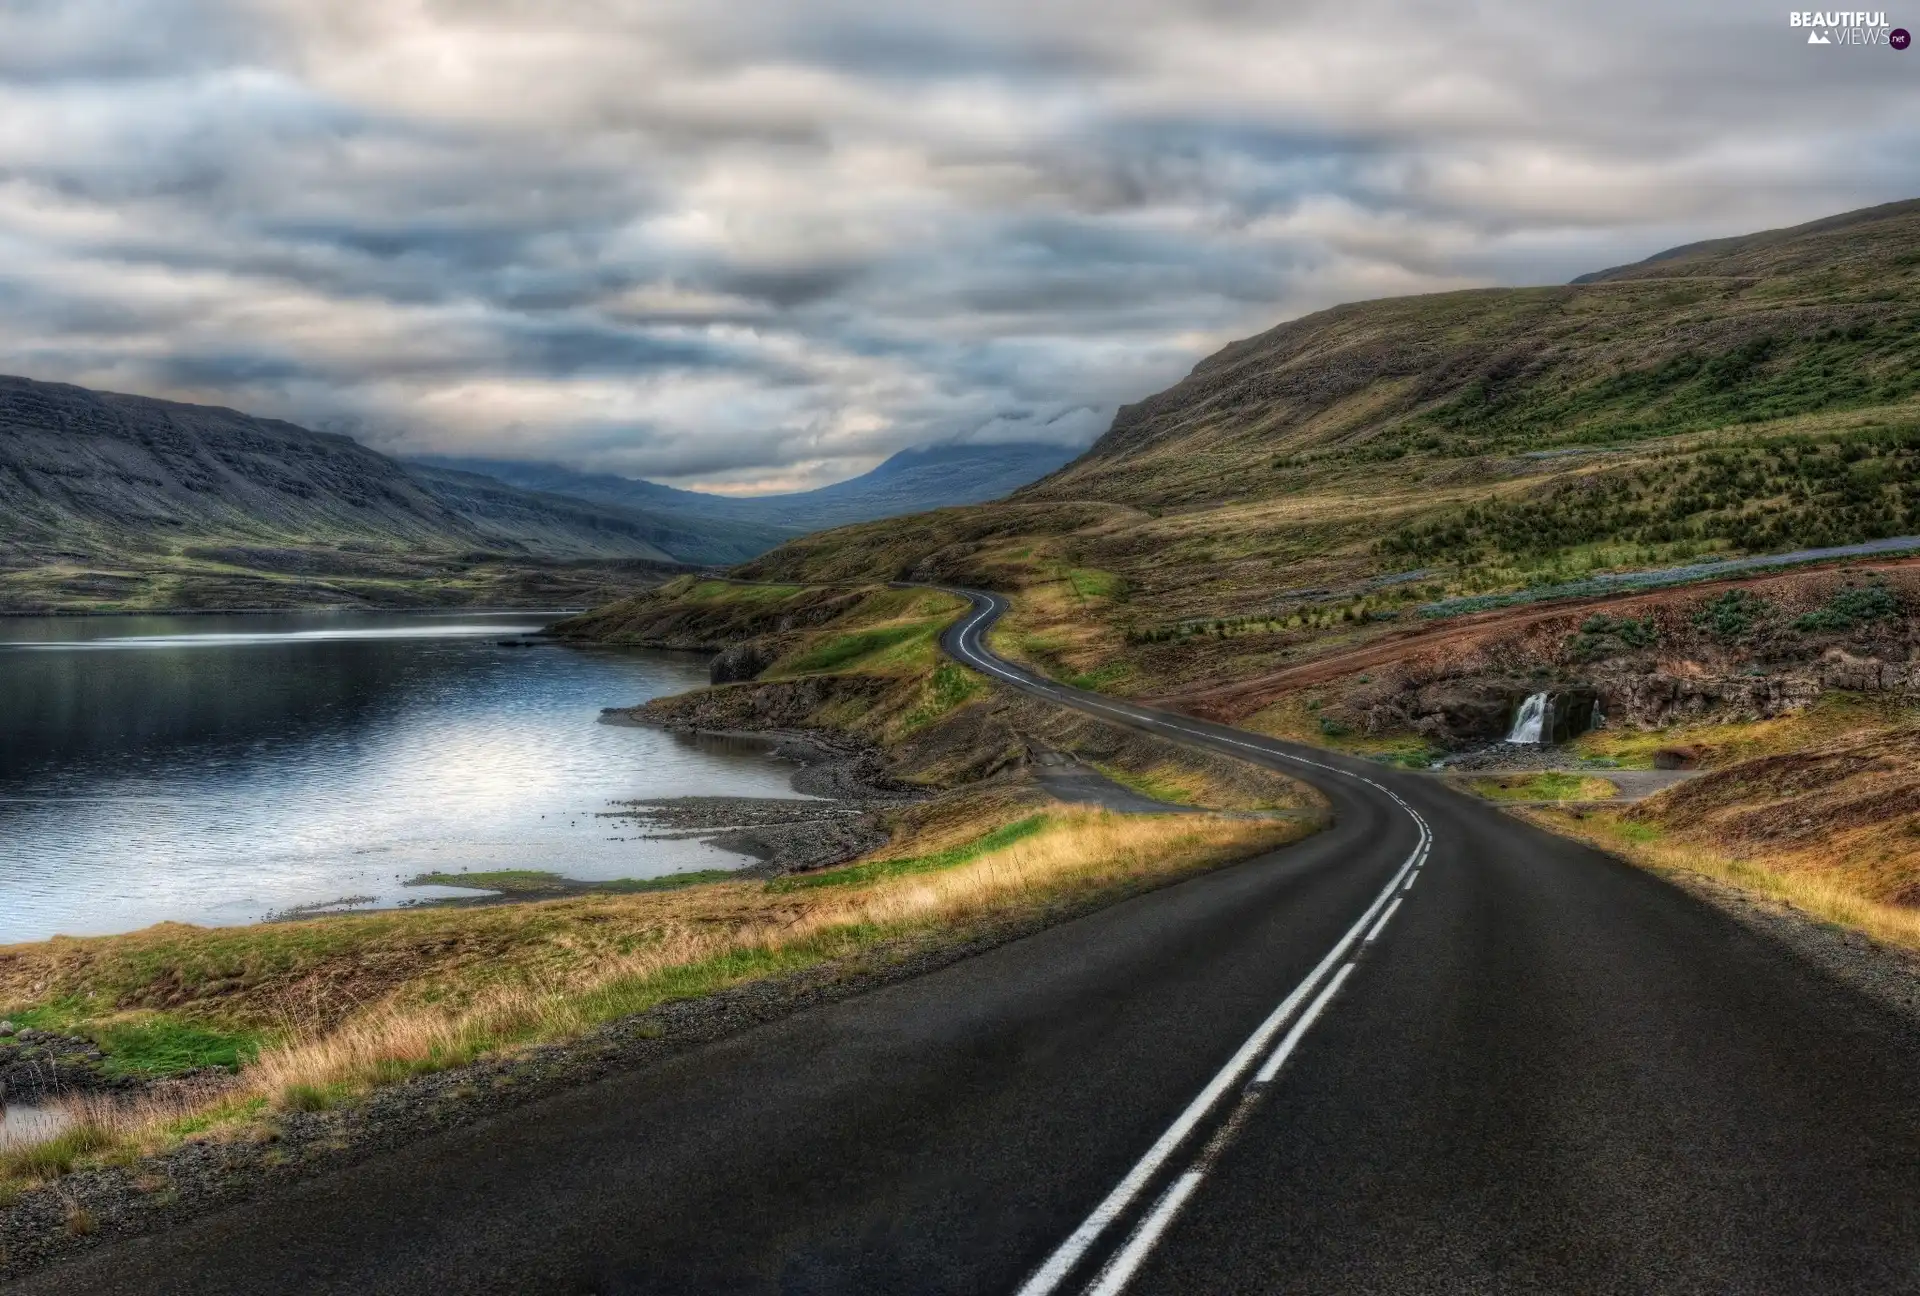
(1545, 1071)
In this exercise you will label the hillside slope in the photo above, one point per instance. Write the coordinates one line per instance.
(564, 526)
(1734, 333)
(124, 501)
(81, 471)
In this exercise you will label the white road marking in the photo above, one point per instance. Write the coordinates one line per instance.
(1413, 879)
(1133, 1253)
(1120, 1269)
(1070, 1252)
(1383, 921)
(1300, 1029)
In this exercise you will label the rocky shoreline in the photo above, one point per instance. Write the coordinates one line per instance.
(848, 791)
(38, 1064)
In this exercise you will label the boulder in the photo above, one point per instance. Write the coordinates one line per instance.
(742, 662)
(1677, 758)
(1459, 712)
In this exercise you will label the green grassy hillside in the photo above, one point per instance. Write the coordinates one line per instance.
(1798, 322)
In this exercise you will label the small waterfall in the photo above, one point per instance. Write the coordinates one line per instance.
(1527, 724)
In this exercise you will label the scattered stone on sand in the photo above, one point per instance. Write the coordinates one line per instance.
(845, 788)
(1509, 757)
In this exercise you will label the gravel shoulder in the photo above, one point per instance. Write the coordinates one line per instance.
(1887, 974)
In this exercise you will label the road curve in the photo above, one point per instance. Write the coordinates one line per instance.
(1428, 1049)
(1556, 1073)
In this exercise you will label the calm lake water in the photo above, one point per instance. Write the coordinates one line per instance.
(221, 769)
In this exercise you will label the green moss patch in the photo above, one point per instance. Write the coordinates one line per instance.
(874, 870)
(163, 1046)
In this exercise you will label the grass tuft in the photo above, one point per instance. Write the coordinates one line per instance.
(56, 1155)
(1548, 785)
(441, 988)
(304, 1098)
(875, 870)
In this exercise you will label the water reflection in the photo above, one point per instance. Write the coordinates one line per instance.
(22, 1125)
(218, 769)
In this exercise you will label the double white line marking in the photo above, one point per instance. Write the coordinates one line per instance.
(1120, 1269)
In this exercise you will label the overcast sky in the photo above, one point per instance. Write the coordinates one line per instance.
(743, 244)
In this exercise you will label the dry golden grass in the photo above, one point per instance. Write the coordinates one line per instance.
(1222, 787)
(1836, 715)
(105, 1126)
(1080, 851)
(481, 981)
(1545, 785)
(1847, 809)
(1064, 627)
(1298, 716)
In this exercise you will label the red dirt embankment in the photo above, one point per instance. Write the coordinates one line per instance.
(1522, 638)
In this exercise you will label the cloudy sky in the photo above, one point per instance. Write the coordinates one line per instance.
(758, 244)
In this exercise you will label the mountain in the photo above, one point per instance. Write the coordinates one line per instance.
(1749, 395)
(83, 472)
(126, 501)
(605, 488)
(1734, 332)
(912, 481)
(560, 525)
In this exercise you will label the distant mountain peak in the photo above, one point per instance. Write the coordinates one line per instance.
(909, 481)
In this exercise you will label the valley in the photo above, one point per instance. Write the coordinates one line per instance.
(114, 503)
(1298, 600)
(1381, 528)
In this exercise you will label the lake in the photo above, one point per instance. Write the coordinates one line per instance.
(223, 769)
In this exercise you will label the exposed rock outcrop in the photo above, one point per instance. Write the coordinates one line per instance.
(741, 662)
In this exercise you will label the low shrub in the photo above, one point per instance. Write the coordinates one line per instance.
(1851, 606)
(1604, 636)
(1731, 617)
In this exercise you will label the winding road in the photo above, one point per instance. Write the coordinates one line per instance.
(1430, 1049)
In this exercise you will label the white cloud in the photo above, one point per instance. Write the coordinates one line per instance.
(764, 244)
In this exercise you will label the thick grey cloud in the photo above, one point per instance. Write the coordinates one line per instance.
(761, 244)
